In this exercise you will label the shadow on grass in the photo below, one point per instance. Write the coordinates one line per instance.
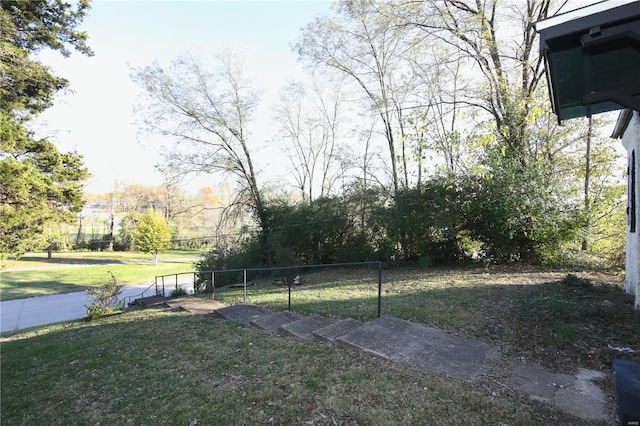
(70, 260)
(104, 258)
(562, 323)
(90, 261)
(18, 289)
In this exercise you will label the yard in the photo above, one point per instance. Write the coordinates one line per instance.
(165, 367)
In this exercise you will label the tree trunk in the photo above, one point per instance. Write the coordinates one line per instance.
(110, 248)
(112, 212)
(587, 177)
(79, 235)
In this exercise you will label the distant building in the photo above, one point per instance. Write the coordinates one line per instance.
(628, 130)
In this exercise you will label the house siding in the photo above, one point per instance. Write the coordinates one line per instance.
(631, 141)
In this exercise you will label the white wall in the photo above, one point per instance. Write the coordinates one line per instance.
(631, 141)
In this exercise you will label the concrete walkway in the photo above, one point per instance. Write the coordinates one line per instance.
(35, 311)
(434, 351)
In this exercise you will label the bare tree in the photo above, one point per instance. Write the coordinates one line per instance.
(174, 198)
(206, 108)
(435, 125)
(368, 47)
(309, 118)
(498, 39)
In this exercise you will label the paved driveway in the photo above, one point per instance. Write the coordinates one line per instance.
(34, 311)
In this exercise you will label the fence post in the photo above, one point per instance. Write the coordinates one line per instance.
(379, 288)
(163, 291)
(176, 284)
(245, 285)
(195, 293)
(156, 281)
(213, 285)
(289, 282)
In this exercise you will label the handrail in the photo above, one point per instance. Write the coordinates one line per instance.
(158, 291)
(280, 268)
(128, 298)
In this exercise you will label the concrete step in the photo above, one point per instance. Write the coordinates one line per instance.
(149, 302)
(272, 323)
(337, 329)
(194, 305)
(304, 328)
(438, 352)
(243, 313)
(429, 349)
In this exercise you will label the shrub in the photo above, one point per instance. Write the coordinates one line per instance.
(425, 222)
(178, 292)
(520, 214)
(246, 255)
(327, 230)
(104, 299)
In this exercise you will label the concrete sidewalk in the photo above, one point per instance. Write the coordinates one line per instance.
(35, 311)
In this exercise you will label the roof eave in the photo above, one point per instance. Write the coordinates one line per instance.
(624, 118)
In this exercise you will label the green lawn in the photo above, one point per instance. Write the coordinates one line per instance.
(69, 272)
(39, 260)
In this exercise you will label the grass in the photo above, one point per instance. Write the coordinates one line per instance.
(77, 271)
(40, 260)
(128, 369)
(161, 367)
(558, 319)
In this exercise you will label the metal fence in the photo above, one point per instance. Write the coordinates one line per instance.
(191, 282)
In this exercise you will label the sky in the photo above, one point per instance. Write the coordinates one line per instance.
(95, 118)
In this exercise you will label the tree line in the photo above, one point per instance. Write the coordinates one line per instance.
(423, 133)
(107, 222)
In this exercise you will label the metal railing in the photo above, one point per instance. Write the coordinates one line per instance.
(161, 283)
(127, 299)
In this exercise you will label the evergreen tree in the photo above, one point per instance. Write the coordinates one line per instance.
(40, 187)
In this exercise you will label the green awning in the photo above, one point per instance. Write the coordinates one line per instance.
(592, 58)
